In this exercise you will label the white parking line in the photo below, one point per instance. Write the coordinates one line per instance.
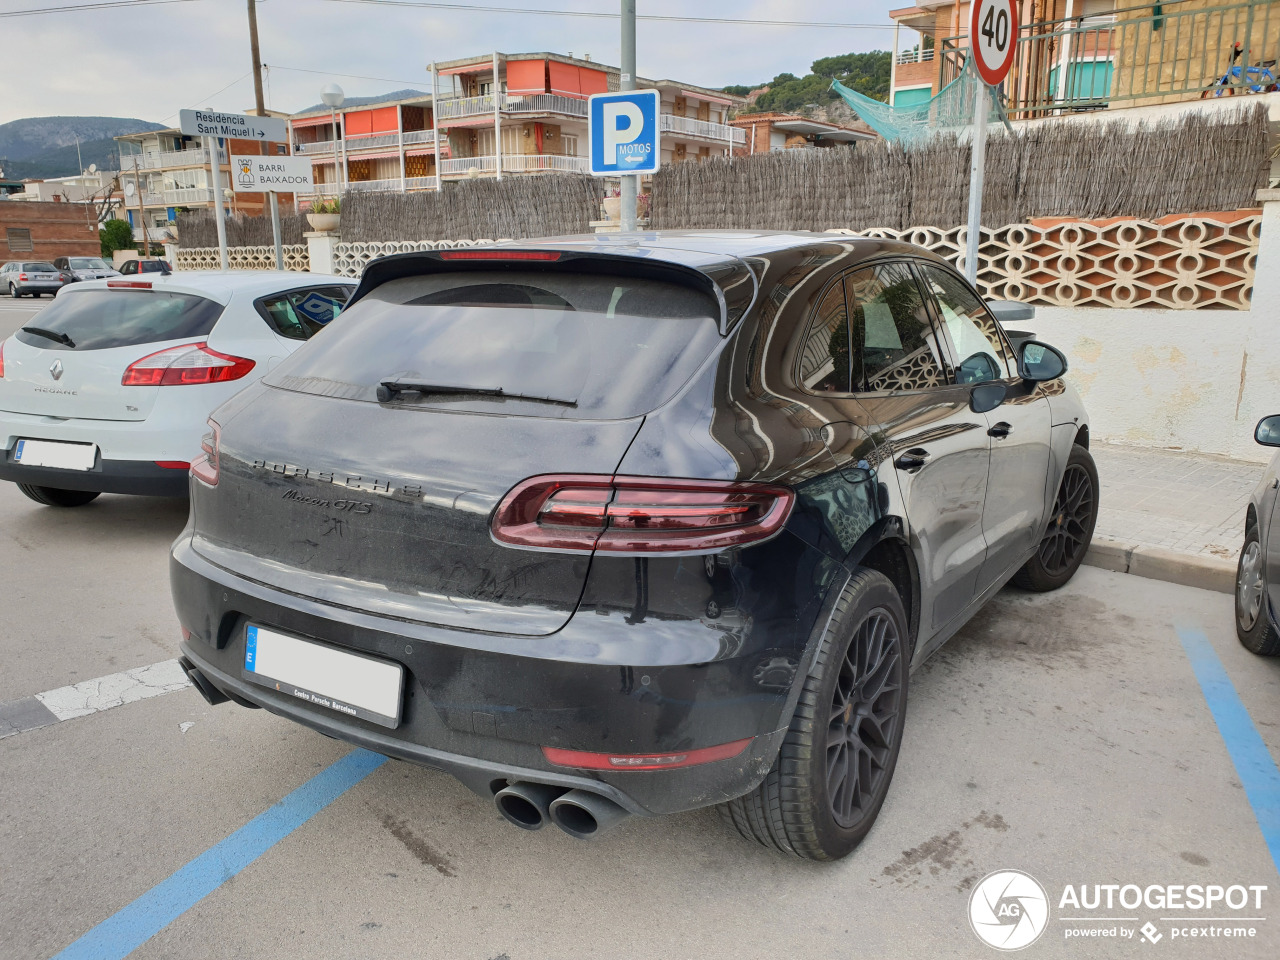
(91, 696)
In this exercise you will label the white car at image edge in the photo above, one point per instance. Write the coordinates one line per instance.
(108, 389)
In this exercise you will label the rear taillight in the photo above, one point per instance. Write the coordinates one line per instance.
(191, 363)
(129, 284)
(22, 276)
(205, 467)
(638, 514)
(500, 255)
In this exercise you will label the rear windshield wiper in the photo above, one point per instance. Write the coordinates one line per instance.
(388, 390)
(50, 335)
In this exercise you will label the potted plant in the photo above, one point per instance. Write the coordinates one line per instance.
(325, 215)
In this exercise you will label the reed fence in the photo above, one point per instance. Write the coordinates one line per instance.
(197, 228)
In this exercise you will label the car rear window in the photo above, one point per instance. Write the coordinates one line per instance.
(101, 319)
(556, 344)
(39, 266)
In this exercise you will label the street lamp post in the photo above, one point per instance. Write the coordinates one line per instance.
(332, 96)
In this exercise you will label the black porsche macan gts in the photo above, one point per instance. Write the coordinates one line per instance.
(628, 525)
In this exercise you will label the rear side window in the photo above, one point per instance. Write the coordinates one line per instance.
(101, 319)
(301, 314)
(824, 354)
(894, 343)
(556, 344)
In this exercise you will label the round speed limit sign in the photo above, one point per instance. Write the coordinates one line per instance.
(993, 33)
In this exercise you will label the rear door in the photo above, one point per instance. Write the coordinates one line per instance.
(939, 447)
(69, 360)
(1013, 510)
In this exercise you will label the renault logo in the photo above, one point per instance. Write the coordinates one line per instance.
(55, 371)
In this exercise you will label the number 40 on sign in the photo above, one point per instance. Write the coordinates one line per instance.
(993, 35)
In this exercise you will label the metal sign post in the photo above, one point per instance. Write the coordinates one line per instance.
(993, 37)
(630, 185)
(215, 166)
(275, 227)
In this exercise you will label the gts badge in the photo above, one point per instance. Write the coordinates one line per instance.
(346, 506)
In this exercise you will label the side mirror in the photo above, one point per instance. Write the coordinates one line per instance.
(1267, 432)
(987, 396)
(1039, 362)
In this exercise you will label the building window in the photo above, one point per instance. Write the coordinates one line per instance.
(569, 141)
(19, 239)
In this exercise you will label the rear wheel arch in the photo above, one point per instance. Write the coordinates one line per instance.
(1082, 436)
(893, 558)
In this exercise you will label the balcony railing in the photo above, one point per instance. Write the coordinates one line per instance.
(369, 142)
(374, 186)
(916, 55)
(182, 195)
(702, 129)
(418, 136)
(420, 183)
(513, 163)
(168, 158)
(325, 147)
(457, 108)
(1089, 63)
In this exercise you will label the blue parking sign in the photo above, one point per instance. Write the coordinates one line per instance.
(623, 132)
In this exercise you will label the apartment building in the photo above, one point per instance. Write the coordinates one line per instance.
(530, 118)
(162, 171)
(1076, 56)
(767, 132)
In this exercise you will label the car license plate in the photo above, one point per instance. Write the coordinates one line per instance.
(52, 453)
(348, 683)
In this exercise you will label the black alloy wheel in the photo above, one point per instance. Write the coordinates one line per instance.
(1253, 618)
(831, 776)
(1070, 529)
(865, 710)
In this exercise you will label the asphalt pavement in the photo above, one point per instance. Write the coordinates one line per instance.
(1084, 737)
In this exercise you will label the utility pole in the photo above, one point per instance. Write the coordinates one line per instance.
(627, 81)
(142, 209)
(257, 59)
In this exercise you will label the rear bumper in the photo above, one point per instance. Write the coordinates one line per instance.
(25, 288)
(107, 476)
(483, 716)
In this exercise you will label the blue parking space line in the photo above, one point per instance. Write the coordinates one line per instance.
(1253, 761)
(125, 931)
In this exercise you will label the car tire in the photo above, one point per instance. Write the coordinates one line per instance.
(13, 292)
(57, 497)
(1066, 539)
(1253, 621)
(792, 810)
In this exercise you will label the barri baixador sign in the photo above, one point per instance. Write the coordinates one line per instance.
(238, 126)
(266, 174)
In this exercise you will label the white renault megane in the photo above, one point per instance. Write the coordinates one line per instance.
(107, 389)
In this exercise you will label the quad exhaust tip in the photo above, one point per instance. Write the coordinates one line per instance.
(579, 813)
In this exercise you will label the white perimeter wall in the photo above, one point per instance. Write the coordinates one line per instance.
(1189, 379)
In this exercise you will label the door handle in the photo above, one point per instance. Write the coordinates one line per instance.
(913, 459)
(1000, 430)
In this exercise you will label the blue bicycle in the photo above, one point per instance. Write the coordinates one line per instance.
(1259, 78)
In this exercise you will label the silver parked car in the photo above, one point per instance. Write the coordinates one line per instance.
(34, 277)
(84, 268)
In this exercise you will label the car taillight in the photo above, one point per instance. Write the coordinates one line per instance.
(129, 284)
(643, 761)
(500, 255)
(22, 276)
(191, 363)
(205, 467)
(579, 514)
(1, 359)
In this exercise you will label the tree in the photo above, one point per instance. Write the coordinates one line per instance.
(115, 235)
(868, 73)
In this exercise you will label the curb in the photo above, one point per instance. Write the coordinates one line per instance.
(1156, 563)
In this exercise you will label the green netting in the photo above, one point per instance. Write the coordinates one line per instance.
(951, 109)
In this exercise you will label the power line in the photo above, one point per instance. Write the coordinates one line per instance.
(238, 79)
(599, 15)
(77, 7)
(334, 73)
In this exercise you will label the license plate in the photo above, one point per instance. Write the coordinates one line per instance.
(51, 453)
(348, 683)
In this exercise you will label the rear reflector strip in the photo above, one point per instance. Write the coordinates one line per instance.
(500, 255)
(643, 761)
(129, 284)
(173, 464)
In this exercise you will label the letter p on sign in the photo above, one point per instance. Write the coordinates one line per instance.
(623, 132)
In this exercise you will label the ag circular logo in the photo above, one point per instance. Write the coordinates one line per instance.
(1008, 910)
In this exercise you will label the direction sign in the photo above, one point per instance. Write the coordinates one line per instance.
(264, 174)
(993, 35)
(622, 129)
(209, 123)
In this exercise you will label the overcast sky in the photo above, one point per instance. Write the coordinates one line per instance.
(151, 61)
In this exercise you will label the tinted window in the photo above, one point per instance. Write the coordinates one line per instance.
(39, 266)
(891, 330)
(301, 314)
(979, 349)
(88, 263)
(824, 354)
(100, 319)
(612, 346)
